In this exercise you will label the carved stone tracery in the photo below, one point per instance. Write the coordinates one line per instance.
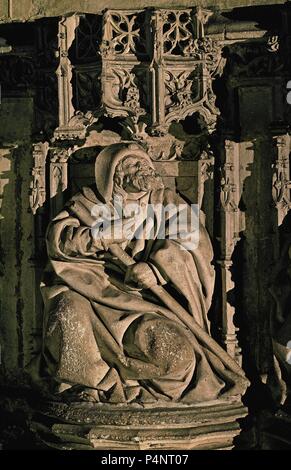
(151, 70)
(66, 35)
(140, 75)
(229, 236)
(38, 185)
(176, 59)
(281, 184)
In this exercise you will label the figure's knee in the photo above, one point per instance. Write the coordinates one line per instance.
(68, 314)
(162, 343)
(68, 332)
(69, 303)
(169, 253)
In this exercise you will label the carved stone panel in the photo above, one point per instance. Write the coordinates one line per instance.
(229, 236)
(281, 184)
(178, 103)
(178, 62)
(38, 185)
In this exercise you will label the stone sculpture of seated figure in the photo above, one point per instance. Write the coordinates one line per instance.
(107, 337)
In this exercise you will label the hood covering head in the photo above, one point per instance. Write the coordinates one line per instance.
(107, 161)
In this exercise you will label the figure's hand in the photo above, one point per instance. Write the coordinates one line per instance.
(142, 274)
(118, 231)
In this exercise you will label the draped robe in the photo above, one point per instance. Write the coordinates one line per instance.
(93, 319)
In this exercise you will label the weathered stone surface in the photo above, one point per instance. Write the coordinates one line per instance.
(150, 355)
(17, 237)
(66, 94)
(31, 9)
(130, 428)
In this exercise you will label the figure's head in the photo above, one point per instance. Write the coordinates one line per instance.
(125, 168)
(134, 174)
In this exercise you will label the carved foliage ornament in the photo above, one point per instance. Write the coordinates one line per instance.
(165, 74)
(123, 90)
(169, 56)
(181, 89)
(156, 67)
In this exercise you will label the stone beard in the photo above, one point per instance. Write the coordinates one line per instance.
(108, 338)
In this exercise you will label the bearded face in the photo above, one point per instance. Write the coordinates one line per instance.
(134, 175)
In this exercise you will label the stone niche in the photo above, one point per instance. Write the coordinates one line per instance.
(202, 91)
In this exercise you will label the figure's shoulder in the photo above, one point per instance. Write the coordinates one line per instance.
(90, 194)
(86, 192)
(85, 200)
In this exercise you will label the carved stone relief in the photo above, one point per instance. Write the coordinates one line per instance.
(177, 86)
(38, 185)
(137, 78)
(177, 43)
(281, 186)
(152, 70)
(130, 368)
(229, 236)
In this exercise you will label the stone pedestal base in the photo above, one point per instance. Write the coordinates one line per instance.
(211, 425)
